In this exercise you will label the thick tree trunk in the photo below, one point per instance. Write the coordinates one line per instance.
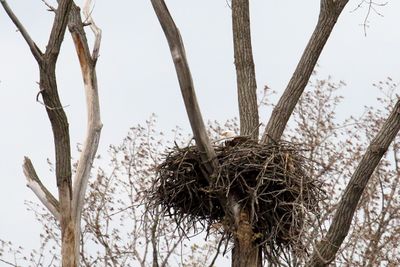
(245, 253)
(60, 127)
(245, 73)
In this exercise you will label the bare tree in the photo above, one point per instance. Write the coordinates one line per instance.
(246, 252)
(122, 228)
(325, 242)
(68, 207)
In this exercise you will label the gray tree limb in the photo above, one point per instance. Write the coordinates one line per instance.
(32, 45)
(326, 249)
(329, 13)
(187, 88)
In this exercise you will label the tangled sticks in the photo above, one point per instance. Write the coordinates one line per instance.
(268, 179)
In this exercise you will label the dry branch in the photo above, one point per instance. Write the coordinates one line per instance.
(186, 84)
(32, 45)
(326, 250)
(88, 69)
(329, 13)
(96, 30)
(44, 195)
(94, 125)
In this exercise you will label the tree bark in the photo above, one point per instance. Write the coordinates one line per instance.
(245, 73)
(329, 13)
(87, 62)
(187, 88)
(245, 251)
(36, 185)
(326, 249)
(69, 206)
(60, 127)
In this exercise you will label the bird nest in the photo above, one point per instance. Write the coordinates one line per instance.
(268, 180)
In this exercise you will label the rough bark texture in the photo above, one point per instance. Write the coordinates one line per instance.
(60, 127)
(68, 208)
(186, 84)
(245, 251)
(325, 251)
(329, 13)
(245, 73)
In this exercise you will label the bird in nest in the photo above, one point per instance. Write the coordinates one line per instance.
(231, 139)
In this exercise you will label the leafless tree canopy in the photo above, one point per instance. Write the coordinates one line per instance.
(315, 194)
(68, 207)
(246, 250)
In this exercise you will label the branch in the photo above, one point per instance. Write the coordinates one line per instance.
(327, 248)
(32, 45)
(186, 84)
(329, 13)
(58, 30)
(44, 195)
(94, 124)
(60, 129)
(96, 30)
(50, 7)
(245, 73)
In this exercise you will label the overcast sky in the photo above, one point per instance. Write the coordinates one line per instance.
(136, 75)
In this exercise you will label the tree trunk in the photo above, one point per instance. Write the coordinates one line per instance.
(68, 208)
(245, 73)
(245, 253)
(60, 127)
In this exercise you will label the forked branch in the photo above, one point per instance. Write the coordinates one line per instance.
(87, 62)
(60, 128)
(329, 13)
(327, 248)
(94, 125)
(96, 30)
(186, 84)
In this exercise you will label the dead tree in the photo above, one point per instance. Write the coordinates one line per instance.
(246, 252)
(71, 191)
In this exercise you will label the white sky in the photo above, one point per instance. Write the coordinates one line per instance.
(136, 75)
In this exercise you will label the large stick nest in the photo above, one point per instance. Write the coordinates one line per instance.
(268, 180)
